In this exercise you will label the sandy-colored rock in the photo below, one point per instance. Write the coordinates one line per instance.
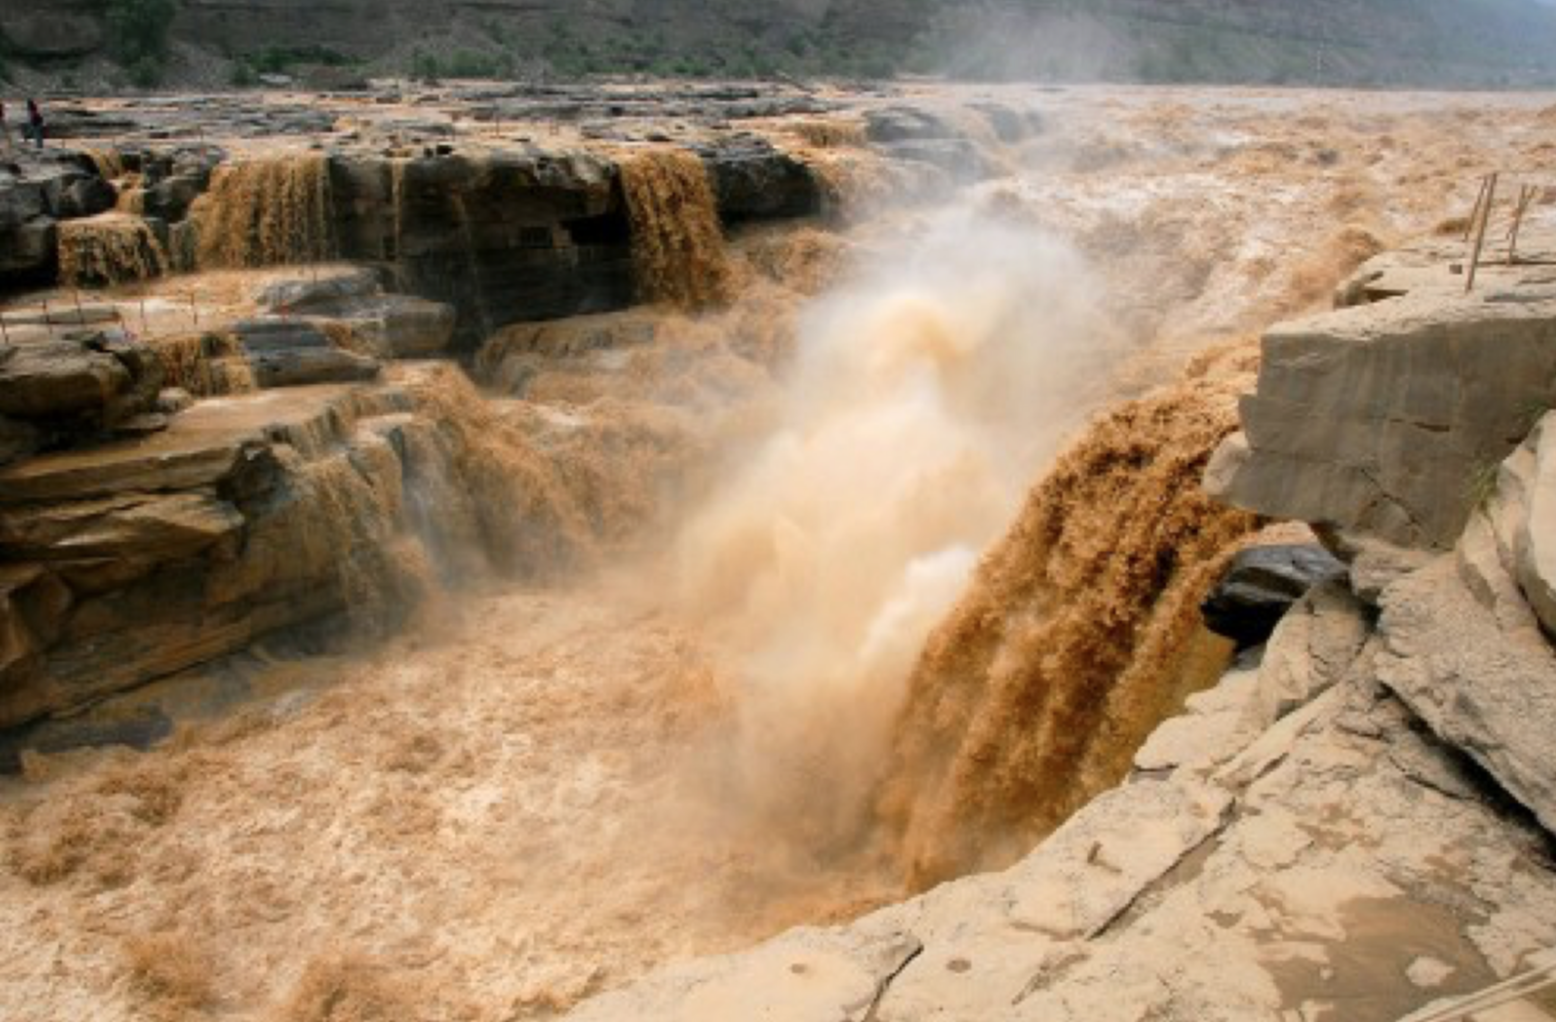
(59, 377)
(108, 541)
(1535, 544)
(1378, 418)
(1312, 886)
(247, 515)
(1483, 682)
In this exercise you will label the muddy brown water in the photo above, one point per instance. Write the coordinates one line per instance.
(538, 792)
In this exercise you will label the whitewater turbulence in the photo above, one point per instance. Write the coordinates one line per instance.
(920, 394)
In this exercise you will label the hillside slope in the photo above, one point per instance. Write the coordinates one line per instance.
(1340, 42)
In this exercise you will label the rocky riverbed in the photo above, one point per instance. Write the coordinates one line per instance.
(535, 533)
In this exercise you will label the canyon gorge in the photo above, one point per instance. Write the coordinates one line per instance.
(691, 550)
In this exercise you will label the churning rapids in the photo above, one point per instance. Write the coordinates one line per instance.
(819, 641)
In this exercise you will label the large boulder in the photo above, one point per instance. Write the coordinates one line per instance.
(1261, 584)
(1533, 523)
(74, 386)
(1385, 418)
(287, 352)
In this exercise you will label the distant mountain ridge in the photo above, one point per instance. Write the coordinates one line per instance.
(1451, 43)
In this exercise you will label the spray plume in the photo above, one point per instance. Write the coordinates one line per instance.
(917, 395)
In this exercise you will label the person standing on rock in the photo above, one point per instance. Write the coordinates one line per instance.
(34, 125)
(5, 132)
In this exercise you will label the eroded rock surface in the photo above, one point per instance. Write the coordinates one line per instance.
(1381, 417)
(1296, 865)
(60, 386)
(1260, 585)
(249, 514)
(1356, 821)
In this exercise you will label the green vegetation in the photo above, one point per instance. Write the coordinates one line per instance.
(1453, 43)
(284, 60)
(278, 60)
(138, 33)
(1482, 484)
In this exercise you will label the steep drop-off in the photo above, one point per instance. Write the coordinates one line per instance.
(266, 212)
(1076, 638)
(677, 244)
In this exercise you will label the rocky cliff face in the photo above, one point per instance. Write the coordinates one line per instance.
(140, 537)
(1388, 419)
(1345, 791)
(1356, 821)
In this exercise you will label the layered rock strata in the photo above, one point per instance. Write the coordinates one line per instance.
(1389, 418)
(250, 514)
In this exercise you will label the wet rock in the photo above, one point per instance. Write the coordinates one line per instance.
(757, 182)
(1260, 585)
(67, 376)
(295, 353)
(1381, 418)
(170, 198)
(306, 294)
(904, 124)
(137, 529)
(87, 196)
(244, 516)
(958, 157)
(502, 238)
(300, 367)
(393, 326)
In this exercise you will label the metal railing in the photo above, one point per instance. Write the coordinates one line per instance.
(1477, 227)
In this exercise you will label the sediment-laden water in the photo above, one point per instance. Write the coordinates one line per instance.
(868, 565)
